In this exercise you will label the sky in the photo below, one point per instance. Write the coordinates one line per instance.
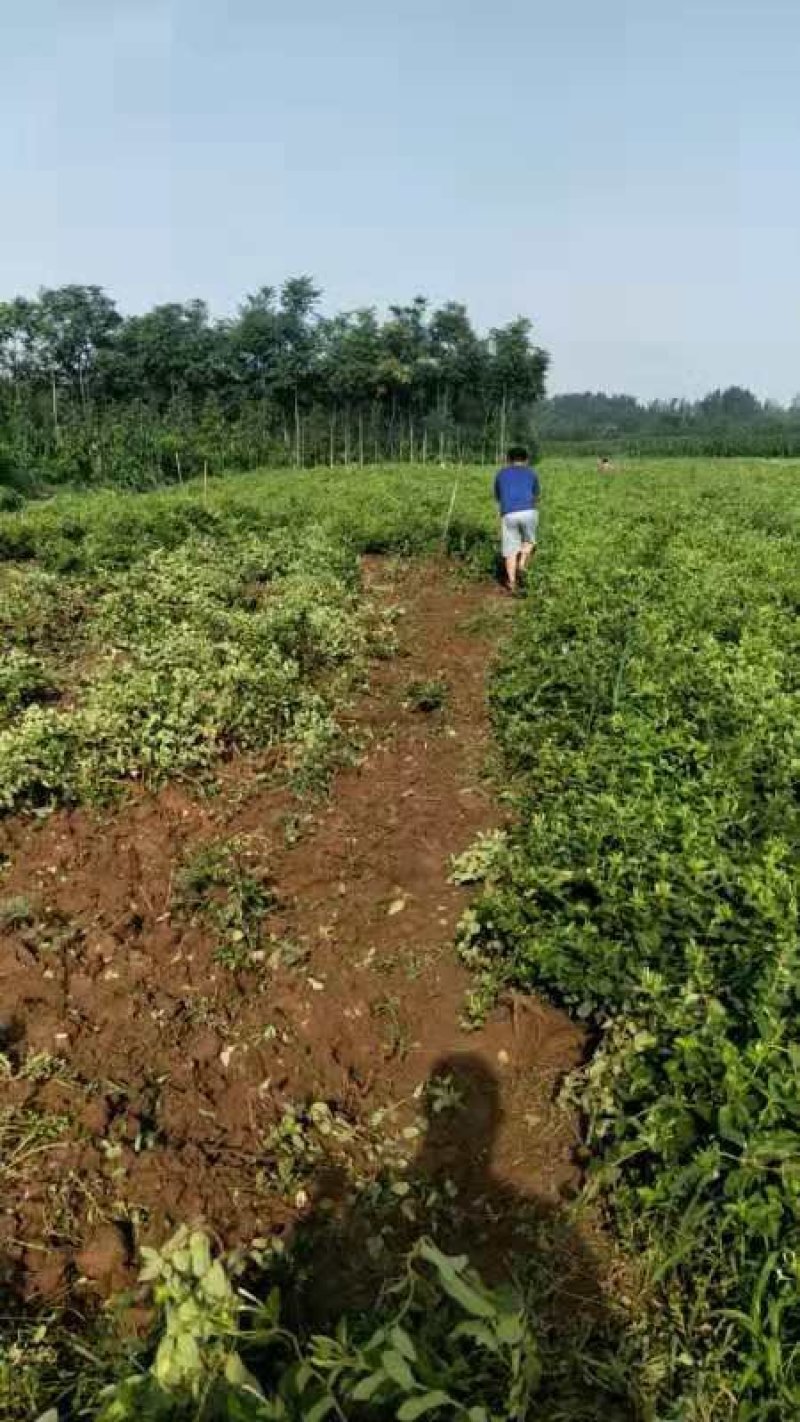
(623, 172)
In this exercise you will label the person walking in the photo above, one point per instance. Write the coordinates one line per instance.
(517, 489)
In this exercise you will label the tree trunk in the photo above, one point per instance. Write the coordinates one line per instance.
(298, 432)
(55, 404)
(410, 438)
(332, 438)
(425, 442)
(347, 436)
(442, 437)
(361, 438)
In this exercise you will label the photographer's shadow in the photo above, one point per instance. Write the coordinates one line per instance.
(352, 1244)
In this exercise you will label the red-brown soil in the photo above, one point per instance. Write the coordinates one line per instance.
(176, 1068)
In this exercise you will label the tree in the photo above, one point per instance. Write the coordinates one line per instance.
(516, 376)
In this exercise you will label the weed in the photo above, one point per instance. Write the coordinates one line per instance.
(220, 884)
(427, 696)
(25, 1134)
(36, 1067)
(442, 1093)
(301, 1140)
(388, 1009)
(15, 912)
(439, 1340)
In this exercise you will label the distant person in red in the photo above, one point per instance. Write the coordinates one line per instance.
(604, 465)
(516, 489)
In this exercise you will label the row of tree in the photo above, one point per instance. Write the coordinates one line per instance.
(725, 422)
(88, 395)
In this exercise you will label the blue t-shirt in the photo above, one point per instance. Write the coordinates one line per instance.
(516, 488)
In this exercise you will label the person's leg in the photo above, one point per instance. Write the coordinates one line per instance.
(512, 542)
(528, 532)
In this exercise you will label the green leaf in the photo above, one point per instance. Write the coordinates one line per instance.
(470, 1300)
(216, 1284)
(368, 1386)
(511, 1328)
(450, 1269)
(480, 1333)
(200, 1251)
(403, 1343)
(320, 1409)
(426, 1402)
(443, 1263)
(239, 1376)
(396, 1367)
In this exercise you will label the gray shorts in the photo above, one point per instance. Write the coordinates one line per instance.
(519, 528)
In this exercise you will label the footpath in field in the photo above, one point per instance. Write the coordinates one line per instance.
(176, 1087)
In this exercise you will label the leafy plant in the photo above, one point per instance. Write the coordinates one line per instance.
(486, 854)
(442, 1345)
(427, 696)
(219, 883)
(647, 708)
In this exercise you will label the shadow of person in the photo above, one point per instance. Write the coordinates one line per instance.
(353, 1241)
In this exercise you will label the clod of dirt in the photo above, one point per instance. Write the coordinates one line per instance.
(105, 1259)
(206, 1047)
(95, 1117)
(45, 1276)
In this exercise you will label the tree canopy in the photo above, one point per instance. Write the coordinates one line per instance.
(90, 395)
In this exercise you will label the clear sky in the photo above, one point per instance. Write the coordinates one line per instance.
(623, 171)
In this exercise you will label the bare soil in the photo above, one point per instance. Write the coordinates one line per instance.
(175, 1068)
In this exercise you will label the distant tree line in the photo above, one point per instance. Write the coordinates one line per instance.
(89, 396)
(725, 422)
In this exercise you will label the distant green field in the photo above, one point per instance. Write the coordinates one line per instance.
(402, 508)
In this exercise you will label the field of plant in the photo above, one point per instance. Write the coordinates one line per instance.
(649, 706)
(645, 702)
(145, 638)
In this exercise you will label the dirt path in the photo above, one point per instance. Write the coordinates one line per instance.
(165, 1071)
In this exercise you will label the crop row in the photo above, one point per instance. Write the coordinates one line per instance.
(649, 712)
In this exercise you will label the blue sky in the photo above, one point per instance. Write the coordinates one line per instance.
(623, 171)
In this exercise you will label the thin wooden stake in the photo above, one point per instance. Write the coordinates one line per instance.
(446, 528)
